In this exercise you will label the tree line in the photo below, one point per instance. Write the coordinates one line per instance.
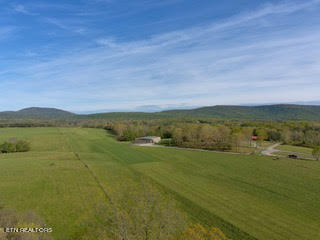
(220, 135)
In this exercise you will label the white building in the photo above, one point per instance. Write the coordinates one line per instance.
(148, 139)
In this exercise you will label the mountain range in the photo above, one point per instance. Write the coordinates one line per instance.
(264, 112)
(37, 113)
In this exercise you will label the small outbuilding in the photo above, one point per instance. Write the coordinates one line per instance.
(254, 138)
(148, 140)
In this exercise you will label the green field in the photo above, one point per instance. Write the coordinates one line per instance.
(301, 152)
(296, 149)
(69, 170)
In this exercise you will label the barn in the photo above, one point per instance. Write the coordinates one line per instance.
(148, 140)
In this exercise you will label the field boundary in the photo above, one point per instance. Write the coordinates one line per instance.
(94, 177)
(77, 156)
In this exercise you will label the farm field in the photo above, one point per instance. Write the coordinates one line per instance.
(69, 170)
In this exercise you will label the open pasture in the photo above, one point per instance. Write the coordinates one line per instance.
(70, 170)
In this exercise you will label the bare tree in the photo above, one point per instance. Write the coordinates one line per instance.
(137, 213)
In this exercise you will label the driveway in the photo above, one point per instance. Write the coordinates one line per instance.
(270, 150)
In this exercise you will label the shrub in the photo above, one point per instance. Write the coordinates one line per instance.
(15, 146)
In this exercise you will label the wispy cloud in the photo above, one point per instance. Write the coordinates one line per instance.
(267, 55)
(64, 25)
(19, 8)
(57, 23)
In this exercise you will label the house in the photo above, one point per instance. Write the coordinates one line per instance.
(148, 140)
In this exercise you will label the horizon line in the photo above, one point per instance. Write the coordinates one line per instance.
(136, 110)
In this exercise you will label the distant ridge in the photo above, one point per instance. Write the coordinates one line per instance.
(37, 113)
(265, 112)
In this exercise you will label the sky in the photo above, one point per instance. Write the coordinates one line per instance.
(149, 55)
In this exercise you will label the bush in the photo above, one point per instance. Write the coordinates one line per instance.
(15, 146)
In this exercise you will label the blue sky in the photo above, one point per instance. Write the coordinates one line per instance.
(93, 55)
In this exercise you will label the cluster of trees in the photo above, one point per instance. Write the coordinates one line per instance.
(291, 132)
(218, 136)
(14, 145)
(143, 213)
(203, 136)
(129, 130)
(307, 135)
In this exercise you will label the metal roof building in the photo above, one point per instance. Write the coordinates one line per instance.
(148, 139)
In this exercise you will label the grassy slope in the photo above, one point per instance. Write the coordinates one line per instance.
(264, 198)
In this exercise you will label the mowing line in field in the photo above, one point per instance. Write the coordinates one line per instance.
(107, 197)
(94, 177)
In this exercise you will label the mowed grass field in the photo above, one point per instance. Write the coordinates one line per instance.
(297, 149)
(302, 152)
(68, 171)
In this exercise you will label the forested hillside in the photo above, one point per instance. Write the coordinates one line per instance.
(266, 112)
(37, 114)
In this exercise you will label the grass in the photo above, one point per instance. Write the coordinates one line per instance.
(296, 149)
(301, 152)
(244, 150)
(71, 170)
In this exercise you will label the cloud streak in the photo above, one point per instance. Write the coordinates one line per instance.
(19, 8)
(267, 55)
